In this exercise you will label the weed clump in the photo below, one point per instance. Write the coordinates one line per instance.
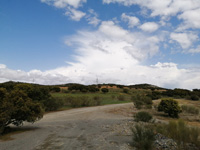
(143, 137)
(180, 132)
(143, 116)
(190, 109)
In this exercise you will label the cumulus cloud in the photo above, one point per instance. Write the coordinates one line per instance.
(74, 14)
(92, 18)
(149, 26)
(191, 19)
(161, 74)
(64, 3)
(194, 50)
(161, 8)
(132, 21)
(71, 7)
(186, 10)
(184, 39)
(111, 54)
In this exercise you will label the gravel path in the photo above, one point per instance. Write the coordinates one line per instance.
(84, 128)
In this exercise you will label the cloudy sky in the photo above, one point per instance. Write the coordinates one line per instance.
(114, 41)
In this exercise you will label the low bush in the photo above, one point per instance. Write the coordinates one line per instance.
(143, 137)
(121, 98)
(97, 100)
(125, 90)
(141, 100)
(143, 116)
(190, 109)
(113, 97)
(84, 101)
(181, 133)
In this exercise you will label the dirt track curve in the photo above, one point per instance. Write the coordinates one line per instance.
(76, 129)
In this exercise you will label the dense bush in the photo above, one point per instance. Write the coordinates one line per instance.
(84, 101)
(104, 90)
(194, 97)
(154, 95)
(143, 137)
(141, 100)
(190, 109)
(169, 106)
(143, 116)
(54, 89)
(125, 90)
(52, 104)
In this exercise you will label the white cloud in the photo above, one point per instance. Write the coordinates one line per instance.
(191, 19)
(149, 26)
(74, 14)
(187, 10)
(194, 50)
(184, 39)
(161, 8)
(2, 66)
(92, 18)
(161, 74)
(132, 21)
(64, 3)
(71, 7)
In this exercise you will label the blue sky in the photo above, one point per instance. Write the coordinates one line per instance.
(116, 41)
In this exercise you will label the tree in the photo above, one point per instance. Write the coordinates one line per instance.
(21, 108)
(4, 111)
(169, 106)
(104, 90)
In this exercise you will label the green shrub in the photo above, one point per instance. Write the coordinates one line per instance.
(52, 104)
(141, 100)
(180, 132)
(190, 109)
(143, 116)
(97, 100)
(113, 97)
(84, 101)
(104, 90)
(121, 98)
(194, 97)
(169, 106)
(143, 137)
(125, 90)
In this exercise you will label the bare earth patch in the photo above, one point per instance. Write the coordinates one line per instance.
(83, 128)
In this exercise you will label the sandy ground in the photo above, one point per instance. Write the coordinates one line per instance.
(83, 128)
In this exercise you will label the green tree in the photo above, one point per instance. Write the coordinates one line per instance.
(21, 108)
(104, 90)
(169, 106)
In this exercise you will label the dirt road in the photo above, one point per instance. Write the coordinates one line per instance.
(77, 129)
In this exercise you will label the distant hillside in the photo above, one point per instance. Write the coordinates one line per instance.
(11, 84)
(146, 86)
(110, 85)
